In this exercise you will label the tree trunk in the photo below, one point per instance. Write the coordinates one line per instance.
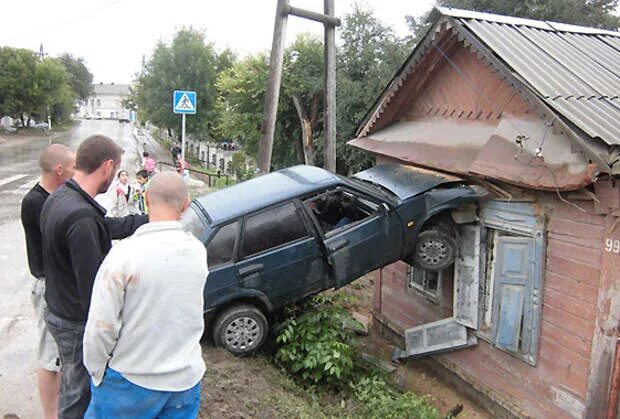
(307, 139)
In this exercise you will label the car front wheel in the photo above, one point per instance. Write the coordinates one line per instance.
(241, 329)
(435, 249)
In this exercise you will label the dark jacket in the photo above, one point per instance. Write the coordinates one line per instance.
(76, 238)
(31, 214)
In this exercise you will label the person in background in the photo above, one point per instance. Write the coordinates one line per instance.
(148, 164)
(175, 151)
(76, 236)
(57, 164)
(142, 177)
(182, 166)
(124, 202)
(142, 338)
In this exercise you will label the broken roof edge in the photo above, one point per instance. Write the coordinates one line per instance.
(511, 20)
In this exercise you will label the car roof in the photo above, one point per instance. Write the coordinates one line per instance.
(266, 190)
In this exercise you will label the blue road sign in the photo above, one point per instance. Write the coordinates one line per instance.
(184, 101)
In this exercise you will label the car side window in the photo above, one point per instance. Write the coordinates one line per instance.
(272, 228)
(222, 246)
(339, 209)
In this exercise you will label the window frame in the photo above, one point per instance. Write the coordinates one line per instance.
(317, 194)
(235, 250)
(415, 288)
(242, 256)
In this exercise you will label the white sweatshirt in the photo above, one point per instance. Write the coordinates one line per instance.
(146, 312)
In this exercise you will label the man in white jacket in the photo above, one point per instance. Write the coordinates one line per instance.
(142, 337)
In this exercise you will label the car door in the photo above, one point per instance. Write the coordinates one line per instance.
(222, 279)
(280, 257)
(370, 239)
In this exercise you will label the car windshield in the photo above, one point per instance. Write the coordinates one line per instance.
(193, 222)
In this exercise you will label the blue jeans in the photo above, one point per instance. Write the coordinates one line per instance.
(74, 378)
(117, 397)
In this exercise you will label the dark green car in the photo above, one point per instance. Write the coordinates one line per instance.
(278, 238)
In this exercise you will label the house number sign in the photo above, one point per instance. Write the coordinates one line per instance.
(612, 246)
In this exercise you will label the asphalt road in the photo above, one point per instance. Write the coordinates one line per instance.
(18, 173)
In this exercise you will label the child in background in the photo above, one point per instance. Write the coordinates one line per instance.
(142, 177)
(148, 164)
(123, 203)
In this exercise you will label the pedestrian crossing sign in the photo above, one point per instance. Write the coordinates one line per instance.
(184, 101)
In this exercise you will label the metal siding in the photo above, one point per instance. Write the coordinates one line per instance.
(574, 61)
(597, 117)
(611, 40)
(596, 49)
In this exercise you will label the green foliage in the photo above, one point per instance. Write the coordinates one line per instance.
(238, 165)
(81, 78)
(188, 63)
(595, 13)
(316, 347)
(30, 87)
(382, 402)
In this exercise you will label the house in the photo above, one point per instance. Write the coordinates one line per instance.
(528, 316)
(106, 101)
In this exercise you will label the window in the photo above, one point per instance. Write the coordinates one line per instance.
(427, 283)
(98, 102)
(220, 249)
(272, 228)
(192, 222)
(339, 209)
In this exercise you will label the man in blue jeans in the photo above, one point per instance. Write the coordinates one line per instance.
(142, 339)
(75, 237)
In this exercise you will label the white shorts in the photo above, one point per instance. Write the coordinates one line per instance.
(47, 350)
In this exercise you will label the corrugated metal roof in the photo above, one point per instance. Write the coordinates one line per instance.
(575, 70)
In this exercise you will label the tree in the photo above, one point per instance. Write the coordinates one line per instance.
(81, 78)
(53, 91)
(368, 57)
(17, 82)
(594, 13)
(188, 63)
(303, 86)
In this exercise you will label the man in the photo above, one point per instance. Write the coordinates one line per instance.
(142, 339)
(76, 238)
(57, 164)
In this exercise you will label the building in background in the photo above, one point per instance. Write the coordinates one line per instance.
(106, 101)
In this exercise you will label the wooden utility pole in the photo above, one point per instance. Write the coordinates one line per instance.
(330, 90)
(275, 79)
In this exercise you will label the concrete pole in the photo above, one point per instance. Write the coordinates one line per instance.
(273, 88)
(330, 90)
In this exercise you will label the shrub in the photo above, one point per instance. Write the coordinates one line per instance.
(378, 400)
(316, 347)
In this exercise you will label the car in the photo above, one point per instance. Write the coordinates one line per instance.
(281, 237)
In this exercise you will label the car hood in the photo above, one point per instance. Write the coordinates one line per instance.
(405, 181)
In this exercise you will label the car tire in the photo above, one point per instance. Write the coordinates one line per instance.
(435, 249)
(240, 329)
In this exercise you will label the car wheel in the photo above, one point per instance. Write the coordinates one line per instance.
(435, 249)
(241, 329)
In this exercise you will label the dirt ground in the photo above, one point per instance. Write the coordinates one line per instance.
(253, 387)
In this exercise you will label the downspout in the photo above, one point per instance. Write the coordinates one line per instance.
(614, 391)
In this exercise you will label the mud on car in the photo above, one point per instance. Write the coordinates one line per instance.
(284, 236)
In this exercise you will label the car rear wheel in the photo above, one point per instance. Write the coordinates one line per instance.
(241, 329)
(435, 249)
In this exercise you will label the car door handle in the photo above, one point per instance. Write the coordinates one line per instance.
(338, 245)
(250, 269)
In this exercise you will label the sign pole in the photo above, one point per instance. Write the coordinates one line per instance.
(183, 137)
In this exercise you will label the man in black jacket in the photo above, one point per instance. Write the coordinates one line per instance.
(76, 236)
(57, 164)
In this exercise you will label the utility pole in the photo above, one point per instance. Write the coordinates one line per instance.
(275, 79)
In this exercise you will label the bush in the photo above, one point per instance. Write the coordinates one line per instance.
(381, 401)
(316, 347)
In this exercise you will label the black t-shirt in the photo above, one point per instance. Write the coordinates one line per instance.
(31, 214)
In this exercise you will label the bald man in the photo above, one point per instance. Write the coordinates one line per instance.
(57, 163)
(142, 338)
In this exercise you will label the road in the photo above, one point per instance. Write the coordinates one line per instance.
(18, 173)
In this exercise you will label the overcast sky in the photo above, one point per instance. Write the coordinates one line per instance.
(112, 35)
